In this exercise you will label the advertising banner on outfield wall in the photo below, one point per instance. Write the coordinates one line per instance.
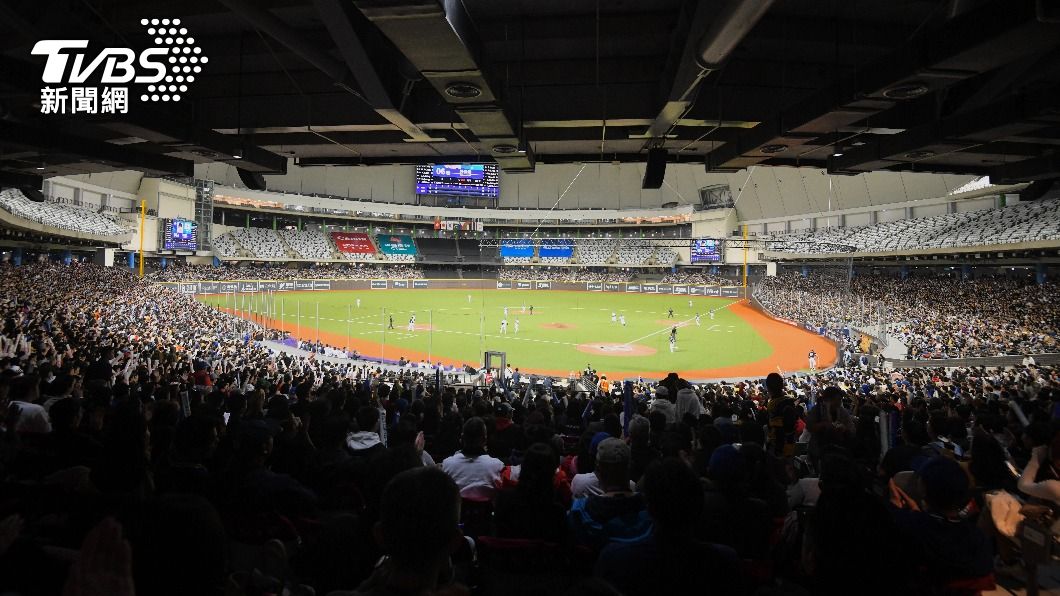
(321, 284)
(664, 289)
(286, 286)
(504, 285)
(695, 290)
(378, 284)
(229, 287)
(544, 285)
(712, 291)
(208, 287)
(648, 288)
(189, 288)
(248, 286)
(400, 284)
(594, 286)
(730, 292)
(420, 284)
(612, 287)
(633, 287)
(680, 289)
(353, 242)
(523, 285)
(269, 286)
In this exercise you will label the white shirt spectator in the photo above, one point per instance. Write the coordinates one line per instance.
(583, 485)
(477, 477)
(33, 419)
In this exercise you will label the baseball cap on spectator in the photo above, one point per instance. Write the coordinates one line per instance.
(596, 440)
(612, 451)
(945, 484)
(502, 409)
(639, 426)
(726, 464)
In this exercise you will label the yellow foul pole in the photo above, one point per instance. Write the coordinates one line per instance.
(745, 255)
(143, 216)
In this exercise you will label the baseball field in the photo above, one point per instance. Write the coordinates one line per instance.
(566, 331)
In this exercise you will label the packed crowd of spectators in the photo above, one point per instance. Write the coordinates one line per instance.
(697, 278)
(151, 446)
(183, 272)
(935, 317)
(570, 275)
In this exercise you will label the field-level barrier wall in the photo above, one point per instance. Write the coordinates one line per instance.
(302, 285)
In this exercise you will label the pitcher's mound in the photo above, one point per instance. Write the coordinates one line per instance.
(612, 349)
(557, 326)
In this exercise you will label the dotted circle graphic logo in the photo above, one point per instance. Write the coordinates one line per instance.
(185, 59)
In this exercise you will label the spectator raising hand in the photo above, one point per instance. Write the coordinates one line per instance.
(104, 564)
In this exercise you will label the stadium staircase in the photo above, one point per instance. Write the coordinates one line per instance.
(290, 252)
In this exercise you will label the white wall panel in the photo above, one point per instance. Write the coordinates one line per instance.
(885, 215)
(61, 191)
(929, 210)
(127, 181)
(761, 192)
(857, 219)
(827, 222)
(975, 204)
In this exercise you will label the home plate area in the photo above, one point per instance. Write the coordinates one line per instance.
(616, 349)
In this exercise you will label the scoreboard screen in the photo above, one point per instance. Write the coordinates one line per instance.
(706, 250)
(458, 179)
(180, 234)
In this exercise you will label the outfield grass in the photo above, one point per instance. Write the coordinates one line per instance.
(461, 330)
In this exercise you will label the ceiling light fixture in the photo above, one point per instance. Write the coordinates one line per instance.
(919, 154)
(908, 90)
(462, 90)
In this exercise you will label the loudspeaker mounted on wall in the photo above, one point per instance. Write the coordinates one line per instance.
(252, 180)
(655, 170)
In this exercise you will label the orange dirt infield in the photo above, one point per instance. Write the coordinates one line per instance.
(557, 326)
(612, 349)
(790, 345)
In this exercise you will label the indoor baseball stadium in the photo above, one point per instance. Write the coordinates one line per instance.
(520, 298)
